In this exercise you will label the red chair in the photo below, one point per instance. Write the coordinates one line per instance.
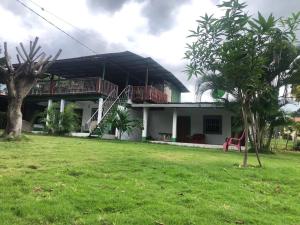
(198, 139)
(237, 142)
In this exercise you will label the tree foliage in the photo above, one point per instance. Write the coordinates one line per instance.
(248, 58)
(121, 120)
(61, 123)
(296, 92)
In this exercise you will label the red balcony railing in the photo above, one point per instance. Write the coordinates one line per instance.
(148, 94)
(74, 86)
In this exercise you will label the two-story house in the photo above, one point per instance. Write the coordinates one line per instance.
(152, 94)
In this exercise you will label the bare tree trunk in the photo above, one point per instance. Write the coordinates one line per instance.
(295, 140)
(257, 157)
(246, 126)
(271, 132)
(14, 118)
(287, 141)
(20, 78)
(256, 137)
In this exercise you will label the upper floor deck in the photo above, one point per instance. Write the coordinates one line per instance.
(95, 86)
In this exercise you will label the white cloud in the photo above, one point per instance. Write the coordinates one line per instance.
(127, 28)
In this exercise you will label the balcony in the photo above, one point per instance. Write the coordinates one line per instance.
(148, 94)
(74, 86)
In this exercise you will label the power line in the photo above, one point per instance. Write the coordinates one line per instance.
(54, 15)
(69, 35)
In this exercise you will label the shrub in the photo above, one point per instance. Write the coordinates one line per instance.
(297, 146)
(61, 123)
(69, 120)
(121, 120)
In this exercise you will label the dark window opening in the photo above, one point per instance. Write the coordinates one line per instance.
(93, 111)
(212, 124)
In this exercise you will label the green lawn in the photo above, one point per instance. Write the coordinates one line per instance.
(53, 180)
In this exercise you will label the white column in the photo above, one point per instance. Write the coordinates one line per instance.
(100, 110)
(62, 105)
(116, 133)
(49, 105)
(174, 125)
(145, 123)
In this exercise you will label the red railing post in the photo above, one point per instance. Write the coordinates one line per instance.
(98, 85)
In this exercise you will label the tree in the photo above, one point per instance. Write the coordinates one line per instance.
(296, 92)
(19, 80)
(246, 58)
(120, 119)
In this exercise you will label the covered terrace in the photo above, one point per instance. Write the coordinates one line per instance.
(101, 74)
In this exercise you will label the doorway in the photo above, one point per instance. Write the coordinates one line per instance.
(79, 113)
(183, 128)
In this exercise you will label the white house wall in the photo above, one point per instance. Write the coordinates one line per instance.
(160, 121)
(86, 107)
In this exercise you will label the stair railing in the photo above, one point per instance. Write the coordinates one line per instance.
(122, 99)
(106, 104)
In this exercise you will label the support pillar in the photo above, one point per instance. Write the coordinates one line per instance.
(117, 134)
(145, 123)
(103, 71)
(100, 110)
(62, 105)
(146, 93)
(62, 108)
(49, 105)
(174, 126)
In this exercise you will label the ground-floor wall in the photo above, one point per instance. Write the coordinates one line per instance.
(84, 109)
(160, 121)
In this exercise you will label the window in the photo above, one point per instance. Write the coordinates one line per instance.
(212, 124)
(93, 111)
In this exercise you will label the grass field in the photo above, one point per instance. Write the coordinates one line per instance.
(55, 180)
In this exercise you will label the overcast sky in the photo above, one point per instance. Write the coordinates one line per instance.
(152, 28)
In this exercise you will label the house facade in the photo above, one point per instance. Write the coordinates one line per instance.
(150, 92)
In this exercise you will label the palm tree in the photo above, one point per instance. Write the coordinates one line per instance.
(121, 120)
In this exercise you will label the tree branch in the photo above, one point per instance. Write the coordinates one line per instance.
(52, 61)
(18, 58)
(31, 54)
(20, 54)
(35, 52)
(7, 59)
(24, 51)
(43, 53)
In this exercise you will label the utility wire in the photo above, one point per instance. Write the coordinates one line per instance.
(69, 35)
(54, 15)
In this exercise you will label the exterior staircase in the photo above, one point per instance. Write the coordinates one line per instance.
(98, 127)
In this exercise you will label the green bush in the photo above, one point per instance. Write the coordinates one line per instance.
(61, 123)
(297, 146)
(121, 120)
(69, 120)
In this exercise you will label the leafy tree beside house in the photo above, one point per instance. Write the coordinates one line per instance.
(248, 58)
(296, 92)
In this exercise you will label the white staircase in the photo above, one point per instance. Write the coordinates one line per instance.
(123, 99)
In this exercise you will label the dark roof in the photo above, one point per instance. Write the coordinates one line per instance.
(116, 63)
